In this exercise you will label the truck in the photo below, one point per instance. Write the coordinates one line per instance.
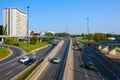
(77, 42)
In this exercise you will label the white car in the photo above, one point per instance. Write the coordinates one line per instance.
(56, 59)
(24, 59)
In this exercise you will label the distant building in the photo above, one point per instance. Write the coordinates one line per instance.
(15, 22)
(51, 32)
(35, 32)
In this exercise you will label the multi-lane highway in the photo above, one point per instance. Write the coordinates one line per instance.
(10, 66)
(80, 72)
(55, 71)
(105, 68)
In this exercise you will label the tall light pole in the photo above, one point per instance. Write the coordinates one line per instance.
(88, 25)
(66, 30)
(27, 23)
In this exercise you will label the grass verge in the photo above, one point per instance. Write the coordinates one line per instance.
(4, 52)
(31, 47)
(84, 42)
(28, 72)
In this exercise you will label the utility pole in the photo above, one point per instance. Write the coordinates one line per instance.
(88, 25)
(66, 31)
(27, 23)
(88, 28)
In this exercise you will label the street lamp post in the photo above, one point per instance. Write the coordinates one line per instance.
(88, 28)
(27, 23)
(88, 25)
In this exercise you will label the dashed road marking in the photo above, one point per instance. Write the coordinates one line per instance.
(86, 75)
(99, 73)
(113, 74)
(117, 78)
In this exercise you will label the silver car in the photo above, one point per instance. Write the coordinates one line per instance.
(23, 59)
(56, 59)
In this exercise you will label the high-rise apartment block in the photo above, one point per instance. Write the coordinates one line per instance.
(15, 22)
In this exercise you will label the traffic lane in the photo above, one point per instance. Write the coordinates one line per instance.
(12, 68)
(39, 54)
(80, 72)
(110, 65)
(106, 67)
(92, 74)
(11, 71)
(16, 52)
(51, 71)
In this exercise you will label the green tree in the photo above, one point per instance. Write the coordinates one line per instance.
(32, 33)
(49, 34)
(33, 40)
(90, 37)
(99, 37)
(4, 29)
(12, 41)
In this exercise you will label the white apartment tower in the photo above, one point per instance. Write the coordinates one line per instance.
(16, 22)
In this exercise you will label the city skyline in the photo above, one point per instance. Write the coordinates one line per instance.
(104, 15)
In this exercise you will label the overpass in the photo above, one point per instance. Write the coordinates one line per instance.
(25, 37)
(105, 47)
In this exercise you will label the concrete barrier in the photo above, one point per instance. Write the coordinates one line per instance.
(44, 64)
(68, 73)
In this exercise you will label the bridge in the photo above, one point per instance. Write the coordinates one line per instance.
(25, 37)
(106, 47)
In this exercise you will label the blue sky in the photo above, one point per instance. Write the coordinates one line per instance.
(55, 15)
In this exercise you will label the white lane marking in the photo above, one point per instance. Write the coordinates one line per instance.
(86, 75)
(110, 71)
(8, 72)
(113, 74)
(7, 67)
(99, 73)
(13, 70)
(117, 78)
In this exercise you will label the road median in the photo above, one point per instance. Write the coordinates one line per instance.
(43, 65)
(68, 73)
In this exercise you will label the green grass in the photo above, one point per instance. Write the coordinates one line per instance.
(28, 72)
(84, 42)
(118, 50)
(31, 47)
(4, 52)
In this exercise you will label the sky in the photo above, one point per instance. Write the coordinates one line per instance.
(69, 15)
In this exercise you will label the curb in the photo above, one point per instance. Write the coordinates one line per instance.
(68, 73)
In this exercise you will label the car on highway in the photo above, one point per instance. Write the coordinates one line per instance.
(23, 59)
(30, 61)
(80, 49)
(90, 65)
(56, 59)
(75, 48)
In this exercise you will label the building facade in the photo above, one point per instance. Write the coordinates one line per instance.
(15, 22)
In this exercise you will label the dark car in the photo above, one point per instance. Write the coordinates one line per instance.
(90, 65)
(30, 61)
(80, 49)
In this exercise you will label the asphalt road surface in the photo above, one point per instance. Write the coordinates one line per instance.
(105, 68)
(10, 66)
(55, 71)
(80, 72)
